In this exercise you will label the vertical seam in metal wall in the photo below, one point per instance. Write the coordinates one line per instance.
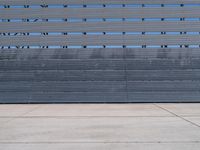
(125, 73)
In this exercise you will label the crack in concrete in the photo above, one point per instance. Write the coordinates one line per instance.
(194, 124)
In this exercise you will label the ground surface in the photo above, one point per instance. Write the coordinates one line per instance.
(100, 127)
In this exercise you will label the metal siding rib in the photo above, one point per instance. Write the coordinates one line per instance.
(155, 26)
(73, 40)
(56, 13)
(100, 53)
(53, 2)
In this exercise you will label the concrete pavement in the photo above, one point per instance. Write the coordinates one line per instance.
(100, 127)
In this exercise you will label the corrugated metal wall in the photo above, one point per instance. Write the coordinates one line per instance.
(99, 51)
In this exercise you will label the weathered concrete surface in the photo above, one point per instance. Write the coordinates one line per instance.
(195, 120)
(183, 109)
(99, 110)
(103, 146)
(15, 110)
(100, 127)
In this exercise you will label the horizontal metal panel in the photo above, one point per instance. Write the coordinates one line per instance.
(50, 13)
(94, 40)
(64, 75)
(63, 65)
(141, 64)
(162, 53)
(100, 97)
(62, 97)
(99, 75)
(53, 2)
(63, 86)
(67, 53)
(100, 53)
(163, 97)
(155, 26)
(162, 75)
(162, 64)
(101, 86)
(163, 86)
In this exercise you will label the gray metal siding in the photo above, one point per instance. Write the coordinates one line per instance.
(93, 40)
(164, 69)
(93, 13)
(108, 77)
(156, 26)
(67, 2)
